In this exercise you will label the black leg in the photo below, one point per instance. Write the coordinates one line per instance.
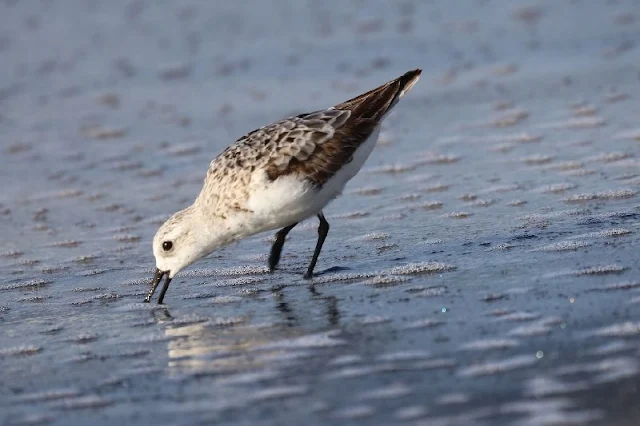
(323, 230)
(276, 248)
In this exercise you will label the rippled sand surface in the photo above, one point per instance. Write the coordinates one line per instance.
(482, 269)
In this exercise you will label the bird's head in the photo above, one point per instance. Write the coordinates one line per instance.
(177, 244)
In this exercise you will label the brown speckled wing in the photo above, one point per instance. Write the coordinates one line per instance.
(326, 149)
(288, 146)
(314, 145)
(330, 153)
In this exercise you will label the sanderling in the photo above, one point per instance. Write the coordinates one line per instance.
(275, 177)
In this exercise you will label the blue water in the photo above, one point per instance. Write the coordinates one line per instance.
(481, 269)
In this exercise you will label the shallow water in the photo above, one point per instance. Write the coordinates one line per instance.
(481, 269)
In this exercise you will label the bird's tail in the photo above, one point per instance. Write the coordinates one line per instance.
(376, 103)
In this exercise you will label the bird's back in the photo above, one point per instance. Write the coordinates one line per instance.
(313, 147)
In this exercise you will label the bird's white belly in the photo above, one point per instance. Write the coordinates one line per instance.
(290, 199)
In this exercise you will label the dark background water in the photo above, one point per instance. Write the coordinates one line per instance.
(481, 269)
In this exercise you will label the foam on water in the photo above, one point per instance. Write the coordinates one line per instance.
(19, 351)
(490, 344)
(411, 412)
(278, 392)
(606, 195)
(623, 329)
(564, 246)
(421, 268)
(394, 390)
(498, 366)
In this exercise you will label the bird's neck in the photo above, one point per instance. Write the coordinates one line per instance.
(217, 230)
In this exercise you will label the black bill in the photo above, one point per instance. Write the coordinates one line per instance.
(154, 284)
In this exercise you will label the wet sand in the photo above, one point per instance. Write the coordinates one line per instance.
(482, 269)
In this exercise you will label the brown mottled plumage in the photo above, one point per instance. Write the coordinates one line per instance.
(316, 144)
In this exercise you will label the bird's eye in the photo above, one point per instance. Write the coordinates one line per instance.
(167, 246)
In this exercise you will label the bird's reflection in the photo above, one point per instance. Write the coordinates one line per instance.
(162, 315)
(283, 306)
(204, 346)
(331, 302)
(333, 313)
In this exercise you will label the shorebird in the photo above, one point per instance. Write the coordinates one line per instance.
(276, 177)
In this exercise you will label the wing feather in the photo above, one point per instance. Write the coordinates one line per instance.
(314, 145)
